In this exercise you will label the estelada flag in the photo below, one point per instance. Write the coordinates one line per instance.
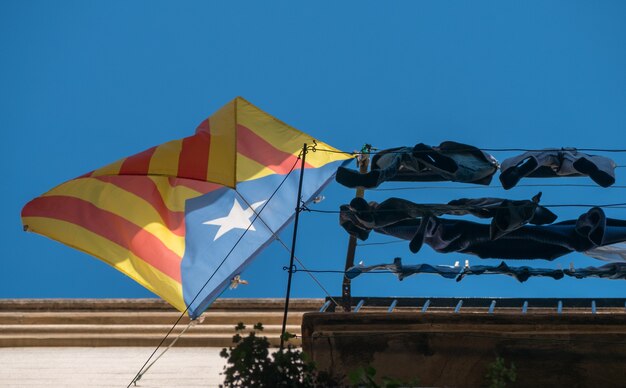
(189, 211)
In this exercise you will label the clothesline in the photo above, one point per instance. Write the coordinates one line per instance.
(615, 271)
(382, 243)
(493, 187)
(376, 272)
(481, 149)
(609, 205)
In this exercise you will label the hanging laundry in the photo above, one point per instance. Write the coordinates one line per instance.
(608, 271)
(449, 161)
(612, 253)
(554, 163)
(402, 271)
(507, 215)
(615, 271)
(521, 274)
(451, 272)
(592, 229)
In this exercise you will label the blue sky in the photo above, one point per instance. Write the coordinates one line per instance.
(84, 83)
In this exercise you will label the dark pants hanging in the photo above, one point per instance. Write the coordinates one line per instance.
(590, 230)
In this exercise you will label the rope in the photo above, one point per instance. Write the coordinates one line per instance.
(493, 187)
(384, 271)
(381, 243)
(295, 270)
(621, 205)
(134, 380)
(191, 323)
(354, 153)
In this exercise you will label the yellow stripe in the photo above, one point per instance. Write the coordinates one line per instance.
(283, 136)
(222, 155)
(248, 169)
(112, 254)
(111, 169)
(164, 161)
(222, 163)
(109, 197)
(173, 196)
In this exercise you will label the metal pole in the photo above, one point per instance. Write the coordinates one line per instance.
(293, 247)
(346, 288)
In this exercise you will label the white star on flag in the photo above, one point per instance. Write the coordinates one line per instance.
(238, 218)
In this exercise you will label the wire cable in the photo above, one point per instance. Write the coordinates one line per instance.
(143, 371)
(332, 271)
(134, 380)
(380, 243)
(492, 187)
(621, 205)
(354, 153)
(289, 251)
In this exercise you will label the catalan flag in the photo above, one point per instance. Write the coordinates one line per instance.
(168, 216)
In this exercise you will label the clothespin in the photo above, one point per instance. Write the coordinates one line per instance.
(571, 267)
(237, 280)
(318, 199)
(197, 321)
(467, 264)
(361, 264)
(364, 155)
(456, 264)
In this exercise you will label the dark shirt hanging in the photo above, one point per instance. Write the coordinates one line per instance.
(566, 162)
(449, 161)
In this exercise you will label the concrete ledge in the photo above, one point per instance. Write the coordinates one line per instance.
(447, 349)
(139, 322)
(140, 318)
(153, 304)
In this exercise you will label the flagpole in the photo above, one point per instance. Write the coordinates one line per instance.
(293, 247)
(346, 285)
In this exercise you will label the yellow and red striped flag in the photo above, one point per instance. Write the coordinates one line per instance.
(169, 216)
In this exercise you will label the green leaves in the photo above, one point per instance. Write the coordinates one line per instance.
(251, 365)
(287, 336)
(498, 375)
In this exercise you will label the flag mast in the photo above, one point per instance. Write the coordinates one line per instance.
(293, 246)
(362, 161)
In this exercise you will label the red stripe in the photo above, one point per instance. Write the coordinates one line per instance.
(252, 146)
(203, 127)
(116, 229)
(137, 164)
(145, 188)
(193, 162)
